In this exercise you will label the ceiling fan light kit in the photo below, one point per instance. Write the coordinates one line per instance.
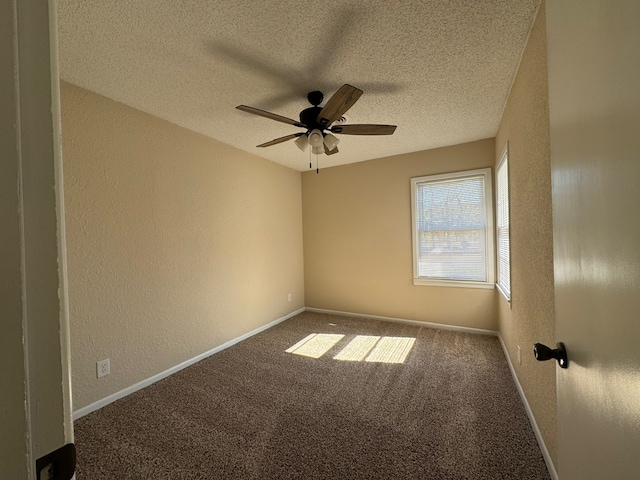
(317, 119)
(315, 138)
(331, 141)
(302, 141)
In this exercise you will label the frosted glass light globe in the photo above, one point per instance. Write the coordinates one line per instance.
(315, 138)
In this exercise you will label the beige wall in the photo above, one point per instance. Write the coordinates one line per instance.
(176, 243)
(525, 126)
(357, 240)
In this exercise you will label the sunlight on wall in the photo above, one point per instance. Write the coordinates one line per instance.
(366, 348)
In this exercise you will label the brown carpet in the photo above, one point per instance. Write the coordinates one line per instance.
(253, 411)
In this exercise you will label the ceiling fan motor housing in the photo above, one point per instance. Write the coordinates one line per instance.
(309, 116)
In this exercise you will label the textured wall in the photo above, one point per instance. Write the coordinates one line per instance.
(357, 239)
(525, 126)
(176, 243)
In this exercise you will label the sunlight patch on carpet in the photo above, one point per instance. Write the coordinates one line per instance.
(315, 345)
(357, 349)
(367, 348)
(391, 350)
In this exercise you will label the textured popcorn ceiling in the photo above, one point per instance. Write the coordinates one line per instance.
(439, 70)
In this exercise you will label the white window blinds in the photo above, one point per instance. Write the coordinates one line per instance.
(502, 227)
(453, 229)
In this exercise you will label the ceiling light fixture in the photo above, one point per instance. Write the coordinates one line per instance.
(315, 138)
(302, 141)
(330, 141)
(317, 121)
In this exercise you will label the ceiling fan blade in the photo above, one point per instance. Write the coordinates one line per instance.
(330, 152)
(364, 129)
(338, 104)
(272, 116)
(280, 140)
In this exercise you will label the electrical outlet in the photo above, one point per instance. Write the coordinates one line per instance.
(519, 355)
(103, 368)
(289, 297)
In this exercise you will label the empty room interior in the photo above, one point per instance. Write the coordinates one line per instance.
(358, 298)
(178, 242)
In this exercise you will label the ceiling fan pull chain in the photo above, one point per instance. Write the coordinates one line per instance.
(317, 167)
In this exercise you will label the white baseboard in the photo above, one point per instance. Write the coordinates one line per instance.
(144, 383)
(543, 447)
(417, 323)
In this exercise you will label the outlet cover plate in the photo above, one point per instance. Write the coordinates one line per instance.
(103, 368)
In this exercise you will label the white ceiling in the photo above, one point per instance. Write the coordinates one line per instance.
(438, 69)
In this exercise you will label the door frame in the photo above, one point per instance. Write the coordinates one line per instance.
(36, 409)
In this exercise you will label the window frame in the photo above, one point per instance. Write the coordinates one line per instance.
(503, 162)
(487, 175)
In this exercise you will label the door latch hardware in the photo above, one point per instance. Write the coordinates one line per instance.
(542, 353)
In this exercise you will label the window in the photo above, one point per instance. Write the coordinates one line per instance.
(452, 217)
(502, 226)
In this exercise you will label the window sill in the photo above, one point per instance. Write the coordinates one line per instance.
(453, 283)
(506, 296)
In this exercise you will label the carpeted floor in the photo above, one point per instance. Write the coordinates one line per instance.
(254, 411)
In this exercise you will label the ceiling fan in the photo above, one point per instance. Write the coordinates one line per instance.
(317, 121)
